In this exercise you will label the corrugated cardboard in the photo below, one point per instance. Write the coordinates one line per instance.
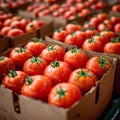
(90, 107)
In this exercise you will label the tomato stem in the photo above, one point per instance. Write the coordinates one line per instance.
(51, 48)
(12, 73)
(83, 73)
(37, 39)
(61, 92)
(75, 50)
(20, 50)
(55, 64)
(91, 40)
(28, 81)
(36, 60)
(2, 58)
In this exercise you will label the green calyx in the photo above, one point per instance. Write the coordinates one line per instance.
(91, 40)
(36, 40)
(36, 60)
(74, 50)
(28, 81)
(83, 73)
(115, 40)
(12, 73)
(59, 30)
(55, 64)
(2, 58)
(103, 62)
(20, 50)
(61, 92)
(51, 48)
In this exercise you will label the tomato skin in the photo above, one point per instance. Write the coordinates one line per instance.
(4, 31)
(83, 78)
(102, 16)
(93, 45)
(91, 32)
(117, 28)
(76, 58)
(74, 39)
(59, 35)
(98, 65)
(15, 81)
(112, 48)
(52, 52)
(6, 64)
(58, 71)
(35, 66)
(64, 95)
(15, 32)
(35, 86)
(35, 47)
(69, 28)
(116, 8)
(20, 55)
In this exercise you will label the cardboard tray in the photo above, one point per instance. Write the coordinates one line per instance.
(90, 107)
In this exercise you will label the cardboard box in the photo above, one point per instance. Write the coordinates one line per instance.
(4, 44)
(90, 107)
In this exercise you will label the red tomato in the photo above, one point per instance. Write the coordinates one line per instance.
(53, 52)
(15, 32)
(58, 71)
(102, 16)
(35, 46)
(14, 80)
(83, 78)
(116, 8)
(117, 28)
(93, 45)
(64, 95)
(59, 35)
(4, 31)
(16, 24)
(20, 55)
(113, 46)
(115, 19)
(74, 39)
(7, 22)
(72, 27)
(6, 64)
(76, 58)
(37, 87)
(109, 34)
(98, 65)
(35, 66)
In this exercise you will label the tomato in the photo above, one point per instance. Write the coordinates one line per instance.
(14, 80)
(109, 34)
(37, 87)
(117, 28)
(15, 32)
(76, 58)
(16, 24)
(17, 18)
(7, 22)
(82, 34)
(20, 55)
(58, 71)
(87, 25)
(93, 45)
(85, 12)
(102, 16)
(74, 39)
(101, 4)
(64, 95)
(59, 35)
(4, 31)
(83, 78)
(70, 27)
(116, 8)
(35, 46)
(31, 26)
(35, 66)
(91, 32)
(53, 52)
(113, 46)
(115, 19)
(98, 65)
(6, 64)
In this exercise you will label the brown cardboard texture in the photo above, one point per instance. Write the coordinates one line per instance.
(4, 44)
(22, 38)
(90, 107)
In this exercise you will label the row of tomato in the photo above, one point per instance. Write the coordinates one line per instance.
(99, 34)
(50, 73)
(11, 25)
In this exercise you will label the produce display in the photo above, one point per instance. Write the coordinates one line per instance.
(76, 64)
